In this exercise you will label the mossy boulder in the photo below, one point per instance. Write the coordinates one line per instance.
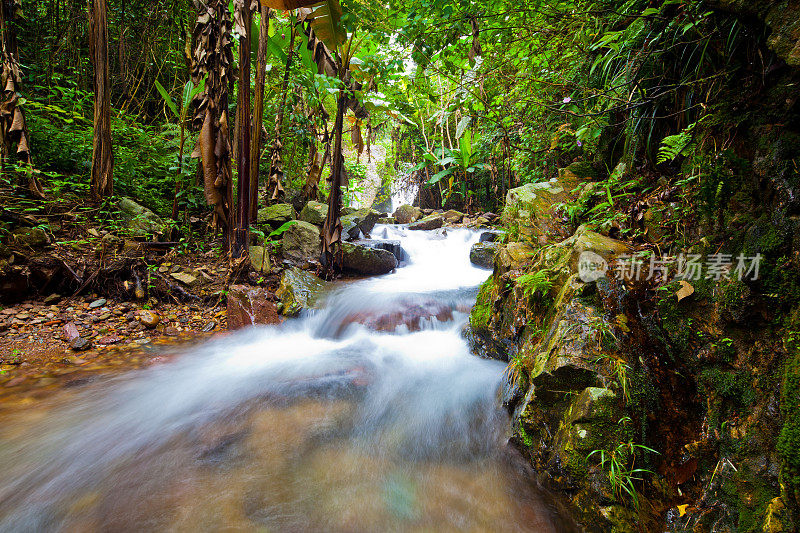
(531, 209)
(314, 213)
(276, 215)
(406, 214)
(138, 220)
(31, 237)
(299, 290)
(301, 242)
(452, 216)
(367, 261)
(259, 259)
(430, 222)
(482, 254)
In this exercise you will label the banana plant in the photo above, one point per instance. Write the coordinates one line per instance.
(189, 93)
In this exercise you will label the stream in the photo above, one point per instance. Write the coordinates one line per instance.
(325, 423)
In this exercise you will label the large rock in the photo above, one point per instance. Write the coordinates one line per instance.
(139, 220)
(367, 261)
(359, 223)
(482, 254)
(248, 306)
(412, 314)
(433, 221)
(530, 209)
(781, 16)
(301, 242)
(259, 259)
(299, 290)
(33, 237)
(276, 215)
(452, 216)
(314, 213)
(585, 243)
(405, 214)
(385, 244)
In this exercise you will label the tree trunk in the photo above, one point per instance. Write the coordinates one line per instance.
(102, 184)
(241, 233)
(332, 229)
(275, 187)
(258, 109)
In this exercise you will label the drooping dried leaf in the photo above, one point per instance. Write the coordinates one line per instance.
(685, 291)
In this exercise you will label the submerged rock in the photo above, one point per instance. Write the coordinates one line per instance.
(482, 254)
(301, 242)
(367, 261)
(299, 290)
(248, 306)
(411, 314)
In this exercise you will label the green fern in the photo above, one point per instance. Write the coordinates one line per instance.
(535, 282)
(675, 145)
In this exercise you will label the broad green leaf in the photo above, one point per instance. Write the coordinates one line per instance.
(437, 177)
(168, 100)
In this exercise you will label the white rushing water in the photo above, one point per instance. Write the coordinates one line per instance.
(94, 458)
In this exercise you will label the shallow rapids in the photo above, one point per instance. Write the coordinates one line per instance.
(368, 415)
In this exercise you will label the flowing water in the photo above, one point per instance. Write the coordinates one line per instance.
(321, 424)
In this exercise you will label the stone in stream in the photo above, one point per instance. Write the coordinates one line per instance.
(385, 244)
(98, 303)
(359, 222)
(452, 216)
(482, 254)
(299, 290)
(249, 306)
(314, 213)
(408, 313)
(491, 236)
(70, 331)
(430, 222)
(367, 261)
(301, 242)
(405, 214)
(81, 344)
(150, 319)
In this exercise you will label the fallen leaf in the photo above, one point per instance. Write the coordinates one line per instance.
(682, 509)
(685, 291)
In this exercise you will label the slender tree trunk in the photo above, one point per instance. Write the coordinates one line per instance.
(258, 109)
(275, 187)
(102, 184)
(241, 234)
(332, 229)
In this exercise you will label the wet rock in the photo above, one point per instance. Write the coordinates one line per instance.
(387, 220)
(359, 223)
(32, 237)
(149, 319)
(585, 240)
(482, 254)
(531, 207)
(452, 216)
(367, 261)
(187, 279)
(209, 327)
(491, 236)
(248, 306)
(299, 290)
(428, 223)
(514, 256)
(385, 244)
(98, 303)
(276, 215)
(81, 344)
(109, 245)
(405, 214)
(171, 331)
(259, 258)
(301, 242)
(314, 213)
(70, 331)
(139, 220)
